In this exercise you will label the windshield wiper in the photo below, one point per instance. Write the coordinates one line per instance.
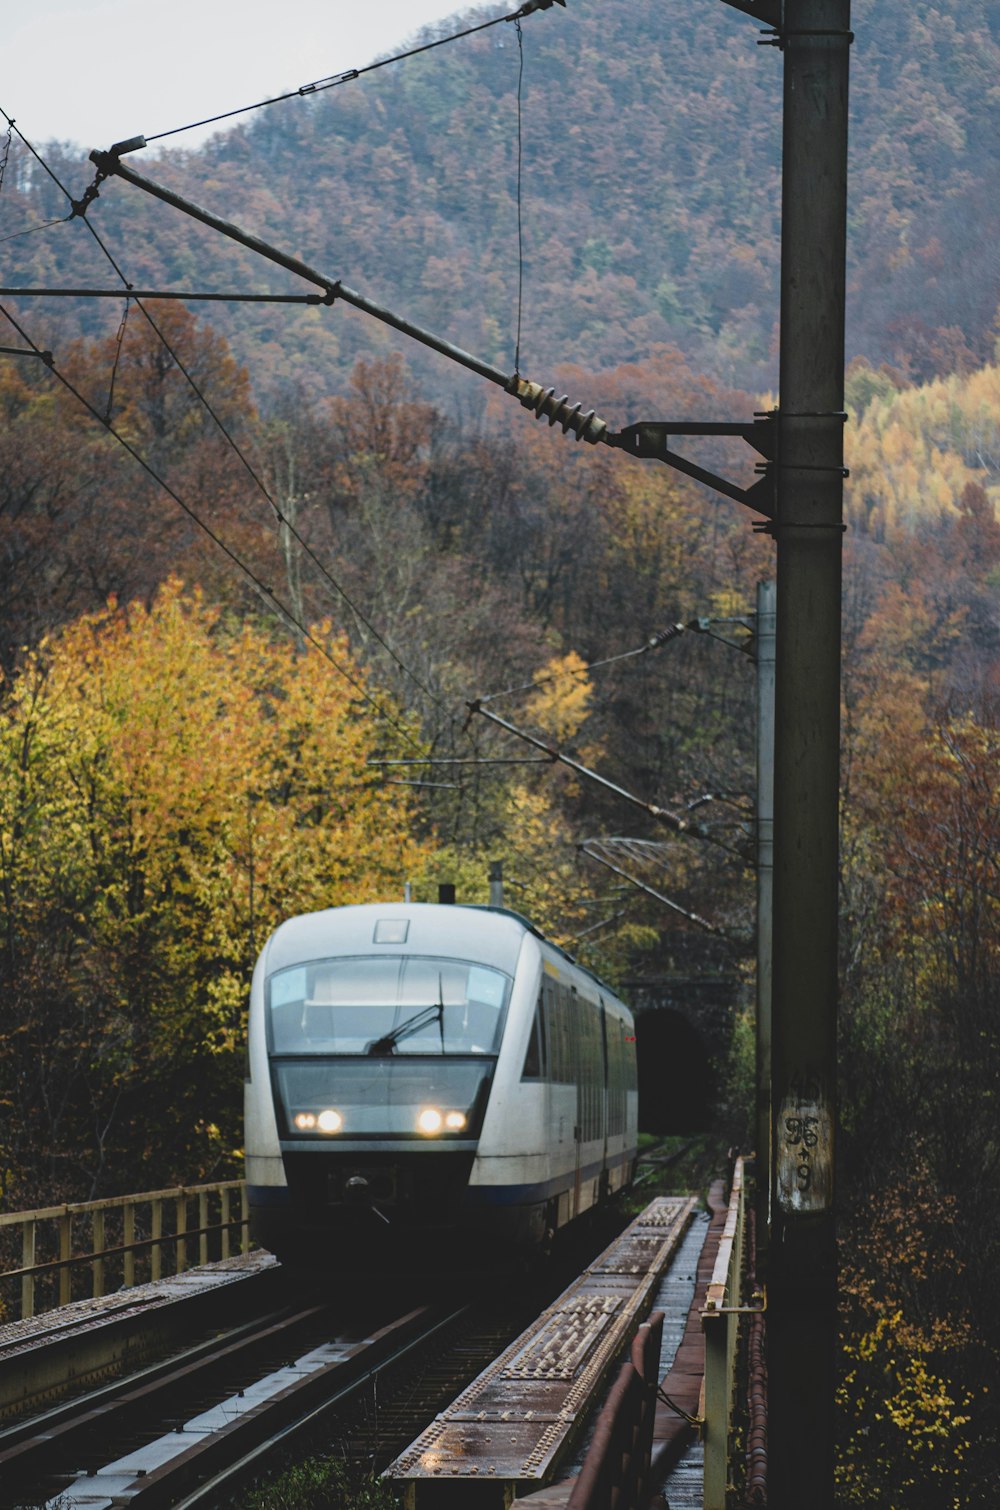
(414, 1024)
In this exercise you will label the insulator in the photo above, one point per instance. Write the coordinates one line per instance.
(133, 144)
(543, 402)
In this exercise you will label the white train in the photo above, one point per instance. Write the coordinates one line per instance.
(423, 1078)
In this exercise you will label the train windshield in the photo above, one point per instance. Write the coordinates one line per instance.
(387, 1006)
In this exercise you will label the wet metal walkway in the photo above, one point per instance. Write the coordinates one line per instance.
(513, 1426)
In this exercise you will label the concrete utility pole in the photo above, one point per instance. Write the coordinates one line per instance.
(802, 1317)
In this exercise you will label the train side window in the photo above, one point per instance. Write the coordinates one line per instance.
(543, 1050)
(534, 1059)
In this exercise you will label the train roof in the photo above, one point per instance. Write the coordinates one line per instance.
(491, 935)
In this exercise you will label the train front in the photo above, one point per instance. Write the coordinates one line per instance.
(373, 1039)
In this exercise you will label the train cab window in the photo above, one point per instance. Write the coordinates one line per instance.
(390, 1005)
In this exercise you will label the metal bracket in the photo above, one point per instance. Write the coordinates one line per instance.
(24, 351)
(757, 1307)
(768, 11)
(648, 439)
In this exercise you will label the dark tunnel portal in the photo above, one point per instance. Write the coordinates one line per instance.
(676, 1088)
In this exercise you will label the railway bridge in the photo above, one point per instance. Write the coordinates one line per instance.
(644, 1371)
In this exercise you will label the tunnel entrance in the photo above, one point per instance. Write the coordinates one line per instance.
(676, 1082)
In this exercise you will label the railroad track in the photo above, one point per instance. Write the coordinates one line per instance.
(193, 1429)
(181, 1431)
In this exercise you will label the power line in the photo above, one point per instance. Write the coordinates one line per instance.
(653, 643)
(268, 593)
(79, 211)
(333, 80)
(674, 821)
(31, 229)
(520, 233)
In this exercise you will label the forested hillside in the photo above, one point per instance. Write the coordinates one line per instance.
(651, 198)
(213, 667)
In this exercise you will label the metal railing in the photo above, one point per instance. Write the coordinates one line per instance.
(720, 1320)
(616, 1468)
(128, 1236)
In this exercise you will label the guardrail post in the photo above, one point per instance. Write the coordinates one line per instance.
(65, 1254)
(202, 1224)
(180, 1245)
(715, 1430)
(156, 1232)
(128, 1238)
(27, 1262)
(97, 1247)
(224, 1219)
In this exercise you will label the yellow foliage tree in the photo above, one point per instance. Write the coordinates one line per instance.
(172, 785)
(561, 700)
(911, 453)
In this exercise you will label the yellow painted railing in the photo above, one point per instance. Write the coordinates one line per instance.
(128, 1236)
(720, 1325)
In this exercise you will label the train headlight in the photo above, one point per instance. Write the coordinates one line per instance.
(454, 1121)
(329, 1121)
(305, 1121)
(430, 1120)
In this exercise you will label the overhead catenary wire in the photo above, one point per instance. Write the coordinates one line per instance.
(31, 229)
(662, 637)
(270, 596)
(119, 341)
(663, 815)
(280, 519)
(520, 226)
(333, 80)
(684, 912)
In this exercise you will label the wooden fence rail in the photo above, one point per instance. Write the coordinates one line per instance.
(51, 1272)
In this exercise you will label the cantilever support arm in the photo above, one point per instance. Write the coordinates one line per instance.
(649, 439)
(641, 440)
(109, 164)
(661, 814)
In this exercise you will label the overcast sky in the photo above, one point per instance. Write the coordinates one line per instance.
(98, 71)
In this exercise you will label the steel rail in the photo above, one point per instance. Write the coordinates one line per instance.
(221, 1461)
(200, 1472)
(207, 1495)
(23, 1445)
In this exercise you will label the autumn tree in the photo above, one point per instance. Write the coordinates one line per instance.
(173, 784)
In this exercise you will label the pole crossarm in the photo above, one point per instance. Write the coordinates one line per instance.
(25, 351)
(533, 396)
(768, 11)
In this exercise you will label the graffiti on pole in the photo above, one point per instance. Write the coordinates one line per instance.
(805, 1150)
